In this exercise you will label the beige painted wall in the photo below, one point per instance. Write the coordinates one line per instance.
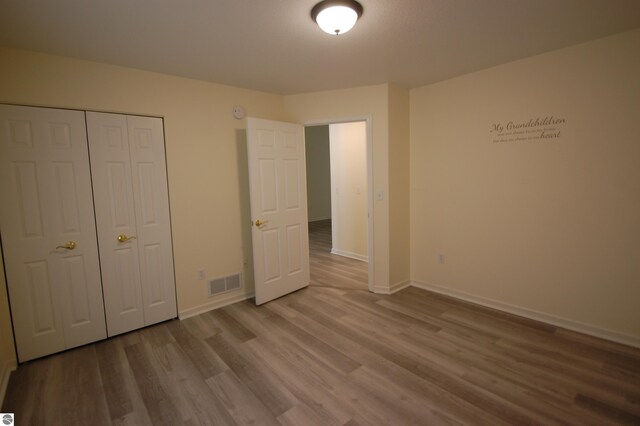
(546, 226)
(206, 150)
(399, 234)
(316, 140)
(335, 105)
(348, 142)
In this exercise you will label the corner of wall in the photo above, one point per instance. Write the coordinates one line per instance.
(8, 360)
(547, 225)
(399, 185)
(8, 368)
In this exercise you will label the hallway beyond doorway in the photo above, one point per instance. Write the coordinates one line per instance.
(330, 270)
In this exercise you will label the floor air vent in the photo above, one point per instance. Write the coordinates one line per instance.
(224, 284)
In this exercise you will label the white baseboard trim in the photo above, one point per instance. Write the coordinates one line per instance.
(391, 289)
(350, 255)
(602, 333)
(7, 369)
(399, 286)
(318, 219)
(215, 303)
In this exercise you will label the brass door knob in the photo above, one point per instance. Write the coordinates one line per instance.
(123, 238)
(260, 223)
(69, 245)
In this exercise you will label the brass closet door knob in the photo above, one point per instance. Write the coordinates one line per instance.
(69, 245)
(123, 238)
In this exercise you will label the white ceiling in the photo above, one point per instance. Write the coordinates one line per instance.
(274, 46)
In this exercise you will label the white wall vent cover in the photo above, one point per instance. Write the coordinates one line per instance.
(224, 284)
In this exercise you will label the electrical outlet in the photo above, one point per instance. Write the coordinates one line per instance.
(441, 259)
(201, 274)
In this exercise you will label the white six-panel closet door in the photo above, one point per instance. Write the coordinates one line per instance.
(151, 197)
(132, 215)
(48, 230)
(115, 215)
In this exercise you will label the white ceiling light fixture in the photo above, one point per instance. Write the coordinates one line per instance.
(336, 17)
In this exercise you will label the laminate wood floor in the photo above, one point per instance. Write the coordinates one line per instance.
(335, 354)
(330, 270)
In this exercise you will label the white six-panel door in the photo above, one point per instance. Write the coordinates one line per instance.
(278, 193)
(48, 230)
(151, 197)
(132, 214)
(115, 215)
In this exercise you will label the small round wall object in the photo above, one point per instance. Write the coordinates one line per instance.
(238, 112)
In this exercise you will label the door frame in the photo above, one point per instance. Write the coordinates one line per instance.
(370, 197)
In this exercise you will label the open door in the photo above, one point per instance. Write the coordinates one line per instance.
(278, 193)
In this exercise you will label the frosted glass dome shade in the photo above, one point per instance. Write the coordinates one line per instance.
(337, 19)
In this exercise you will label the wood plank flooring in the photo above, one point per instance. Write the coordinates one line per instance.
(329, 270)
(335, 354)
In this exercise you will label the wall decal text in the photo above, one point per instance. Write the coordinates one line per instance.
(535, 129)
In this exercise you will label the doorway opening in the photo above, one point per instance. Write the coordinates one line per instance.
(339, 200)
